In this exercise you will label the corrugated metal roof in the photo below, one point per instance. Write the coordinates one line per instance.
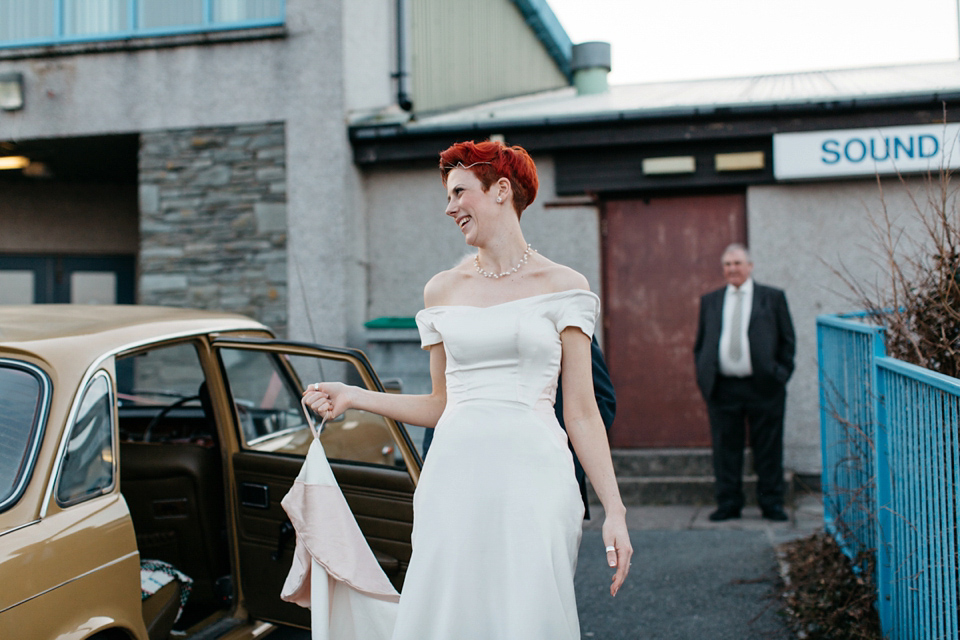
(705, 96)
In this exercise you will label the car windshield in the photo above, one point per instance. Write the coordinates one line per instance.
(22, 401)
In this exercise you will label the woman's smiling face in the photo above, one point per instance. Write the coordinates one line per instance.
(467, 201)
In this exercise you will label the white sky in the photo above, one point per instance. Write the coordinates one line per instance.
(657, 40)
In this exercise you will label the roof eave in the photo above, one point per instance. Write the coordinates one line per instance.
(409, 141)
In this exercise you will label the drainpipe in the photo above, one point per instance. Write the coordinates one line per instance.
(403, 99)
(590, 64)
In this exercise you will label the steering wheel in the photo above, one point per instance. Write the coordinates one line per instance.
(164, 413)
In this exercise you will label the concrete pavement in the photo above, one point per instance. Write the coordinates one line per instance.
(691, 579)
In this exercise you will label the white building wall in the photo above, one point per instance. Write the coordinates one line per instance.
(799, 236)
(298, 80)
(411, 238)
(369, 53)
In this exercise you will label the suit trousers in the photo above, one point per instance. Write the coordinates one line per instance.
(734, 405)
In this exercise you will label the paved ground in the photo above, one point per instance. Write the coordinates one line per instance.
(691, 578)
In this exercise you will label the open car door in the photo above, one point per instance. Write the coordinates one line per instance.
(373, 458)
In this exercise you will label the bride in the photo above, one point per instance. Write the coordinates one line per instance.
(498, 512)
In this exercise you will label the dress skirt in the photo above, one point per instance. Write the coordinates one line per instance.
(497, 525)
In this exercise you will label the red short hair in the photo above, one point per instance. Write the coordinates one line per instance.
(490, 160)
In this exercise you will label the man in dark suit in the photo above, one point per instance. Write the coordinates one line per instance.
(744, 356)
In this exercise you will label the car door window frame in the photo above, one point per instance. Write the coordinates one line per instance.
(354, 357)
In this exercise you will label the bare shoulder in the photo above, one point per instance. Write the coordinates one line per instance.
(439, 289)
(562, 278)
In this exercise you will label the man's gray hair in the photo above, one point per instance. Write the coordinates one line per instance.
(737, 246)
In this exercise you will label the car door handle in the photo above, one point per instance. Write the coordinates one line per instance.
(286, 532)
(255, 495)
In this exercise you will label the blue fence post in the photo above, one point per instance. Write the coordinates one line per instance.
(825, 489)
(884, 523)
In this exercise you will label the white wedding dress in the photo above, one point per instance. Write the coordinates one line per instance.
(497, 512)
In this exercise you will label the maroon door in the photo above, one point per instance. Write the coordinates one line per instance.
(660, 256)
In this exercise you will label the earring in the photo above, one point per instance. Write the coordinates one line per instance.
(499, 200)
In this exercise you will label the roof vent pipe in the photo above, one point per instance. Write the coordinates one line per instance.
(590, 64)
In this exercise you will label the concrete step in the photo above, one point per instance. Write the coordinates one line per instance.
(668, 462)
(686, 490)
(675, 476)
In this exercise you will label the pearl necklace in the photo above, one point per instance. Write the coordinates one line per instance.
(487, 274)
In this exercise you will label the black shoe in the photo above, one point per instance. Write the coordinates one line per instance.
(777, 514)
(724, 513)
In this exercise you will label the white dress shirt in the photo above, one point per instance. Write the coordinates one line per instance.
(743, 367)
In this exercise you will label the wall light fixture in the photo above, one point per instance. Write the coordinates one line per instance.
(11, 91)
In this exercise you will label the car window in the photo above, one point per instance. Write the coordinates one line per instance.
(23, 400)
(87, 468)
(161, 395)
(266, 391)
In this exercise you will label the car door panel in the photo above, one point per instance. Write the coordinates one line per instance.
(380, 495)
(260, 533)
(382, 503)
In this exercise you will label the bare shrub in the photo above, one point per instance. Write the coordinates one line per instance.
(824, 597)
(918, 298)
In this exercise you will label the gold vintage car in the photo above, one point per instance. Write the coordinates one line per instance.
(131, 433)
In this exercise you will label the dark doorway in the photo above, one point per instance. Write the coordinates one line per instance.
(70, 221)
(660, 256)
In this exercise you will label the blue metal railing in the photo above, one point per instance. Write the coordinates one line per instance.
(891, 458)
(846, 349)
(51, 22)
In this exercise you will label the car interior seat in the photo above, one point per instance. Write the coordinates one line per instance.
(175, 493)
(160, 611)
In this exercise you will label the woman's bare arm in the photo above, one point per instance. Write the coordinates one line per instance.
(333, 398)
(589, 438)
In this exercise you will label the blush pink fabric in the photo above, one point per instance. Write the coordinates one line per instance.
(360, 599)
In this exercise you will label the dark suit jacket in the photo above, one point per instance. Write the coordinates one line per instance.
(770, 332)
(606, 402)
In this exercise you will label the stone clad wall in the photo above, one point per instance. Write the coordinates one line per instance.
(213, 220)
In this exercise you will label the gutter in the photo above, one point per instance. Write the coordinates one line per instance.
(403, 98)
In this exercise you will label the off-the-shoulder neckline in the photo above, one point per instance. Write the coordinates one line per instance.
(501, 304)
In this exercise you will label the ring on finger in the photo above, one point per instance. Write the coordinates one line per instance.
(609, 549)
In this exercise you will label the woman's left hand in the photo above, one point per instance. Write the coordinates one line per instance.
(618, 547)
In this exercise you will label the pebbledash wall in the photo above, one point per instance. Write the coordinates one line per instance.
(412, 239)
(802, 237)
(213, 220)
